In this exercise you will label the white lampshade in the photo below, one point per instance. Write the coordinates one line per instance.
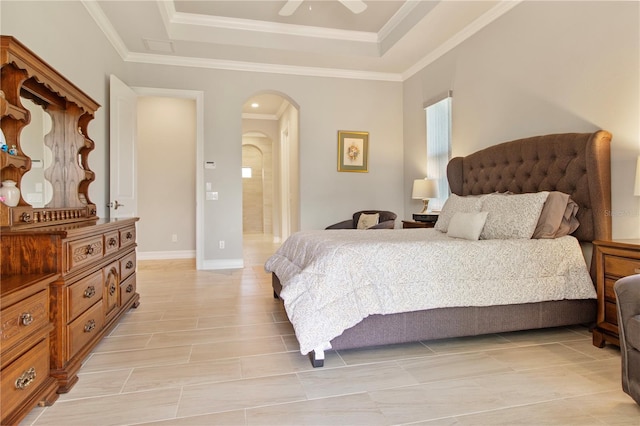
(636, 190)
(424, 189)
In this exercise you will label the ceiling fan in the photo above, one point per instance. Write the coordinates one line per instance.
(356, 6)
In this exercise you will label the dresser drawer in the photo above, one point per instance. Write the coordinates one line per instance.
(127, 236)
(22, 378)
(22, 319)
(127, 265)
(111, 242)
(84, 293)
(85, 251)
(620, 266)
(127, 290)
(85, 327)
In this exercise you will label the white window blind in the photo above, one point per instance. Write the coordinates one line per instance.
(439, 146)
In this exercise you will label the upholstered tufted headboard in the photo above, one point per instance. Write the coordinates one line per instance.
(578, 164)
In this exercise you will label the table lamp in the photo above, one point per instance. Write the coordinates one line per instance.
(424, 189)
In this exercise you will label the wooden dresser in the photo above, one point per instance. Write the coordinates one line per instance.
(24, 340)
(96, 284)
(614, 260)
(67, 276)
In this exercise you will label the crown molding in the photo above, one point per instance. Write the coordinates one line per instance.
(105, 25)
(223, 64)
(167, 9)
(475, 26)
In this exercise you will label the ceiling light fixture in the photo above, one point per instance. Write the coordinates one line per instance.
(255, 105)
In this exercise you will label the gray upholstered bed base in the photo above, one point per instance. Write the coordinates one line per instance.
(443, 323)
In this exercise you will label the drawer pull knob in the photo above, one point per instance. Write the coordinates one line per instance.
(89, 326)
(129, 235)
(26, 318)
(112, 242)
(129, 265)
(112, 289)
(88, 250)
(26, 379)
(89, 292)
(26, 217)
(129, 288)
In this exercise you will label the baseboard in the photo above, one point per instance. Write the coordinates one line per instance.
(163, 255)
(223, 264)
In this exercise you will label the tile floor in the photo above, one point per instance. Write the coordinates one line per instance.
(214, 348)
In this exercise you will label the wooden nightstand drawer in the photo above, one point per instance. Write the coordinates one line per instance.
(23, 377)
(22, 319)
(620, 266)
(84, 293)
(611, 313)
(609, 294)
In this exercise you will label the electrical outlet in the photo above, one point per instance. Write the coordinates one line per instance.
(221, 244)
(174, 238)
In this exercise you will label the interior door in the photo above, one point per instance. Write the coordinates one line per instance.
(122, 150)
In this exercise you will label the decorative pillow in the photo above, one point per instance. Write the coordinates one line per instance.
(467, 225)
(455, 204)
(512, 216)
(558, 216)
(368, 220)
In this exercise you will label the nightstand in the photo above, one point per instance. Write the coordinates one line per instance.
(430, 217)
(614, 260)
(414, 224)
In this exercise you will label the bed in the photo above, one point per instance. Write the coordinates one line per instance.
(328, 314)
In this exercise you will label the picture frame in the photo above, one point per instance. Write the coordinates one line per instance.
(353, 151)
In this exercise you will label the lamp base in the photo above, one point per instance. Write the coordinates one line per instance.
(426, 205)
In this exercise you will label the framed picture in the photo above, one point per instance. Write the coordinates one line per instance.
(353, 151)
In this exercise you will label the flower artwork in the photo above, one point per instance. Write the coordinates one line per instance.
(353, 151)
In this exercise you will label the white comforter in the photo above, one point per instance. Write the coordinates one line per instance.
(331, 280)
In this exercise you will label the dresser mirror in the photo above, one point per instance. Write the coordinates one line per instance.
(36, 189)
(45, 117)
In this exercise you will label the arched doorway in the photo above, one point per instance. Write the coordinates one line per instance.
(270, 124)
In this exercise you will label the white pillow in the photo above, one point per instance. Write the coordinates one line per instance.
(368, 220)
(467, 225)
(512, 216)
(455, 204)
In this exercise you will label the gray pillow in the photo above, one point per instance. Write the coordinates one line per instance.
(512, 216)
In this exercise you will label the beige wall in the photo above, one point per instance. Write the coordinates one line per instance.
(166, 176)
(544, 67)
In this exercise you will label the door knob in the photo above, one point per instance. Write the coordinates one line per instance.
(115, 205)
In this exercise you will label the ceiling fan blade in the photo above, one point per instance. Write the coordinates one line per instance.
(290, 7)
(356, 6)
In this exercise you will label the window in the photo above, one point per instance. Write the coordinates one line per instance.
(438, 116)
(246, 172)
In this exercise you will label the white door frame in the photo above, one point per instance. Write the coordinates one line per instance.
(198, 96)
(285, 185)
